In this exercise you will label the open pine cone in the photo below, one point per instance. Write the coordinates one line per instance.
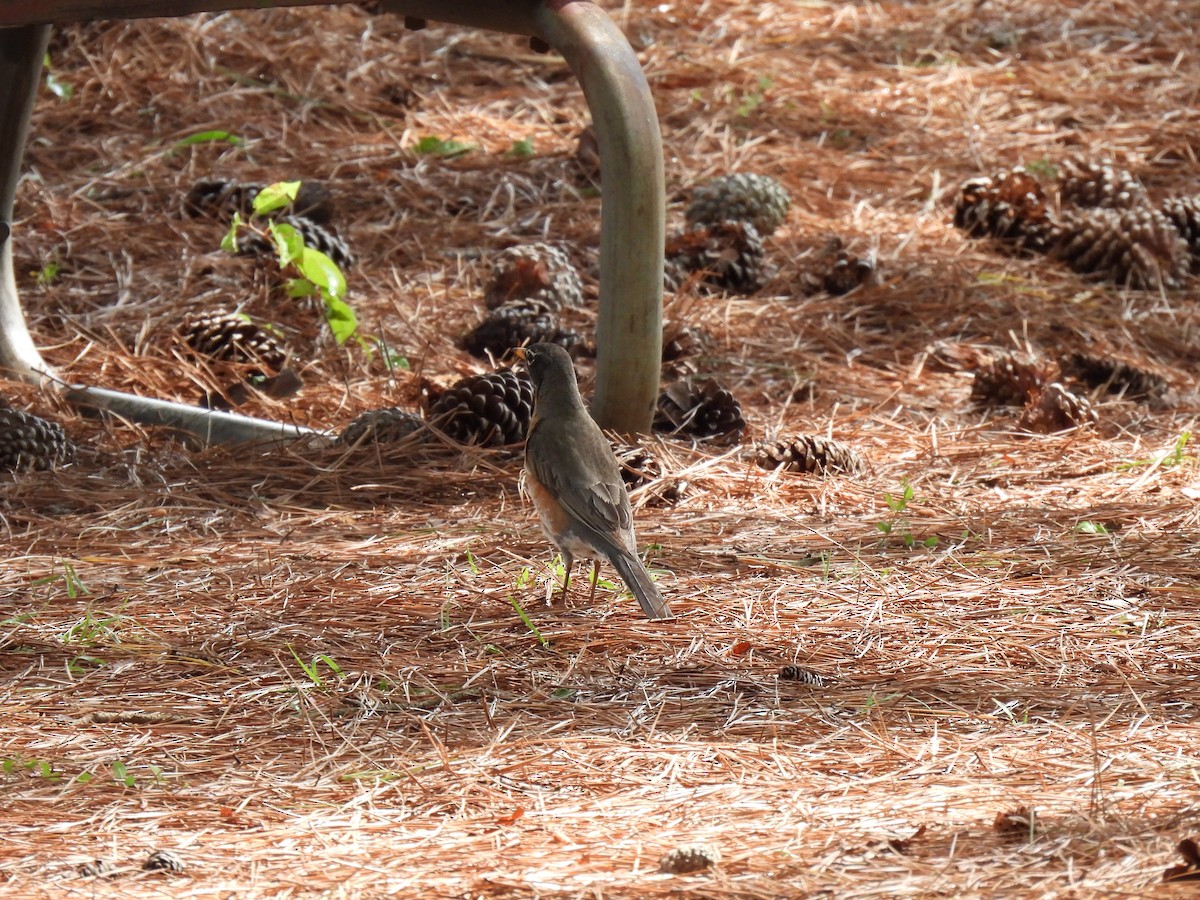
(1138, 247)
(1115, 376)
(538, 271)
(704, 409)
(638, 465)
(1184, 213)
(317, 237)
(1054, 409)
(811, 454)
(1088, 184)
(1010, 206)
(390, 425)
(31, 442)
(744, 197)
(516, 324)
(1009, 380)
(728, 256)
(229, 337)
(492, 409)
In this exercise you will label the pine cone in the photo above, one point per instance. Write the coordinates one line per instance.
(1055, 409)
(30, 442)
(220, 199)
(230, 337)
(535, 272)
(691, 858)
(680, 341)
(638, 465)
(811, 454)
(1137, 248)
(1115, 376)
(516, 324)
(703, 409)
(728, 256)
(1184, 213)
(1010, 206)
(844, 271)
(1010, 380)
(491, 409)
(1088, 184)
(390, 425)
(317, 237)
(758, 199)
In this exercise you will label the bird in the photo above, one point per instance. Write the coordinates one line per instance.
(574, 481)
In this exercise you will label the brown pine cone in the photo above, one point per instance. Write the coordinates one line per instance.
(1009, 205)
(516, 324)
(638, 465)
(31, 442)
(230, 337)
(1088, 184)
(1054, 409)
(492, 409)
(690, 858)
(1115, 376)
(704, 410)
(743, 197)
(1184, 213)
(1010, 379)
(390, 425)
(1137, 248)
(534, 272)
(727, 256)
(316, 237)
(811, 454)
(220, 199)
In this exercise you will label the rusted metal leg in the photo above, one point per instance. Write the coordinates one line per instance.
(21, 54)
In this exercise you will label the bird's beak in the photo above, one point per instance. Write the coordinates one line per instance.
(519, 353)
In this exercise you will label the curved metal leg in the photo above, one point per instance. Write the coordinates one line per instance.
(629, 331)
(633, 211)
(21, 53)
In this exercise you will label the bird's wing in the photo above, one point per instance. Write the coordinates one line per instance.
(584, 477)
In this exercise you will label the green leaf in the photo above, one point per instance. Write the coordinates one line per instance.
(446, 147)
(528, 622)
(342, 321)
(63, 90)
(522, 148)
(289, 245)
(1086, 527)
(322, 271)
(83, 778)
(211, 137)
(275, 196)
(229, 242)
(300, 287)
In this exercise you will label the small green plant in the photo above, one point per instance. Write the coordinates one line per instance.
(314, 273)
(447, 148)
(48, 274)
(522, 149)
(63, 90)
(211, 137)
(75, 588)
(749, 101)
(1088, 527)
(122, 775)
(1042, 167)
(312, 669)
(524, 579)
(1173, 457)
(95, 627)
(39, 767)
(899, 524)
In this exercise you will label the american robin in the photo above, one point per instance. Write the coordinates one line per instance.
(573, 479)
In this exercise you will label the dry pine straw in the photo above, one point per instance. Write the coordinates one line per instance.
(161, 601)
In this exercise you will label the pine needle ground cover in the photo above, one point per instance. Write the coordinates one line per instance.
(956, 658)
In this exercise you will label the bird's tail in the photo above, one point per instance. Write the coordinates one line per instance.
(638, 580)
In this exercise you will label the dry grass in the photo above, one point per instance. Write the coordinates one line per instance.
(163, 604)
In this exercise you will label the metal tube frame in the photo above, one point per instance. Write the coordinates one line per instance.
(629, 329)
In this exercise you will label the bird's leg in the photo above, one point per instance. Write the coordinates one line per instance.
(568, 563)
(595, 578)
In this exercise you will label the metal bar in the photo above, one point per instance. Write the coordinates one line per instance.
(21, 53)
(633, 210)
